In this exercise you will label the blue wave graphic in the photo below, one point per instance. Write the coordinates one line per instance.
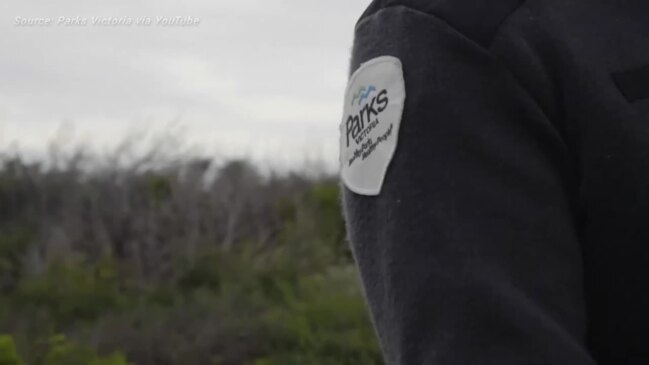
(366, 94)
(363, 93)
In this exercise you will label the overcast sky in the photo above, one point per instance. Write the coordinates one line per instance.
(259, 78)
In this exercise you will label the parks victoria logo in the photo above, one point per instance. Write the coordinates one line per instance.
(359, 125)
(375, 97)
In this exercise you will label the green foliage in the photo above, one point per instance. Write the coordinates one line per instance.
(13, 246)
(61, 351)
(325, 197)
(325, 203)
(8, 353)
(72, 291)
(158, 189)
(324, 323)
(206, 272)
(125, 266)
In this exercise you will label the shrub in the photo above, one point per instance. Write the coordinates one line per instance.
(61, 351)
(8, 353)
(72, 291)
(325, 323)
(176, 262)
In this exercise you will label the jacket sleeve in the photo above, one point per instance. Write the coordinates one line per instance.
(469, 254)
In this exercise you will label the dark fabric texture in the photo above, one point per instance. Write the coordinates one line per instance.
(634, 84)
(513, 222)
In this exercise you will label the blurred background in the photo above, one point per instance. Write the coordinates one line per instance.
(168, 184)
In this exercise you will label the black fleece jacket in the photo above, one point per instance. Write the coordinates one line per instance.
(511, 225)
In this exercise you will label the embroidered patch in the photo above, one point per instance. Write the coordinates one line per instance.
(374, 102)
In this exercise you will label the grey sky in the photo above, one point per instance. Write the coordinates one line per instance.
(255, 77)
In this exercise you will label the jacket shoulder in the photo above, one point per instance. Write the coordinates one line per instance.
(479, 20)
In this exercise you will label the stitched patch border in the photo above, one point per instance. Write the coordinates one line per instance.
(374, 102)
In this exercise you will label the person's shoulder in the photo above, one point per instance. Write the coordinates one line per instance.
(477, 19)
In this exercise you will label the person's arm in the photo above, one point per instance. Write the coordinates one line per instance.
(467, 243)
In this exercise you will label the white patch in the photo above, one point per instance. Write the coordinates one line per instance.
(369, 131)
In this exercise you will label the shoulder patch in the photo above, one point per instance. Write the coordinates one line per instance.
(374, 102)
